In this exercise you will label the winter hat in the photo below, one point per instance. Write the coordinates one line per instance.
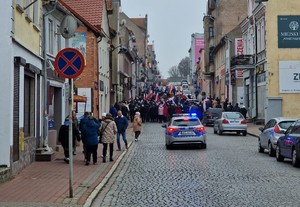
(137, 113)
(108, 115)
(103, 115)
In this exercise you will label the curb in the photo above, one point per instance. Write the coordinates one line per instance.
(95, 192)
(254, 135)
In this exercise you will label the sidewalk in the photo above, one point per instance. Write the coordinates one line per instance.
(253, 129)
(47, 183)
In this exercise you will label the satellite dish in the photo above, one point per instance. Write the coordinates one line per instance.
(68, 26)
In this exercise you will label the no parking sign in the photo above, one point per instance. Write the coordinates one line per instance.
(69, 63)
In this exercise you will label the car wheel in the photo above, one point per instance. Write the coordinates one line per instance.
(238, 132)
(203, 146)
(295, 159)
(244, 133)
(279, 157)
(168, 146)
(260, 149)
(220, 131)
(271, 152)
(215, 132)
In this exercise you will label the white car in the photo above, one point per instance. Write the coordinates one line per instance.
(231, 122)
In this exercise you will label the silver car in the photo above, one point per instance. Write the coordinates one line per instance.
(231, 122)
(270, 133)
(185, 129)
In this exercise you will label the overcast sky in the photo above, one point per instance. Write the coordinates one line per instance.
(170, 25)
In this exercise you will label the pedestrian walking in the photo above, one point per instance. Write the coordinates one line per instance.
(75, 121)
(137, 125)
(82, 124)
(122, 124)
(90, 129)
(108, 130)
(243, 111)
(63, 137)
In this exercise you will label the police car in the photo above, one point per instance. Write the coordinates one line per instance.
(185, 129)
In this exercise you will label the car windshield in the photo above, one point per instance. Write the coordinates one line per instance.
(216, 112)
(233, 116)
(285, 124)
(186, 122)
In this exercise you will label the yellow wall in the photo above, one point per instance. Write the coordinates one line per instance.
(25, 32)
(290, 102)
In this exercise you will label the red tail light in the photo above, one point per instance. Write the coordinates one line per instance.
(276, 128)
(244, 121)
(200, 129)
(172, 130)
(225, 121)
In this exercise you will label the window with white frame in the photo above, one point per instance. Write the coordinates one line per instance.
(36, 13)
(58, 38)
(258, 36)
(28, 10)
(50, 36)
(262, 31)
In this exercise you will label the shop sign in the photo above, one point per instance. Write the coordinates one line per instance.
(288, 32)
(289, 76)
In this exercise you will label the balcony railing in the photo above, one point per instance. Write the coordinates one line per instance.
(242, 60)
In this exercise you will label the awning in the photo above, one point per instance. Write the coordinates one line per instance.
(78, 98)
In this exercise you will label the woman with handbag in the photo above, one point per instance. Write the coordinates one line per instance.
(107, 133)
(137, 125)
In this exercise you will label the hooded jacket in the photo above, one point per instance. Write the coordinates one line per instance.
(90, 130)
(110, 131)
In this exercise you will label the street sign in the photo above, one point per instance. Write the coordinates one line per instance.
(69, 63)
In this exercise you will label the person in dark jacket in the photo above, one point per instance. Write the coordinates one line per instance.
(122, 124)
(90, 129)
(63, 137)
(82, 123)
(113, 111)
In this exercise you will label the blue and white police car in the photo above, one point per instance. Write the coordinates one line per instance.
(185, 129)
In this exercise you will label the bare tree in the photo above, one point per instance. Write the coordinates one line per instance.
(184, 67)
(174, 72)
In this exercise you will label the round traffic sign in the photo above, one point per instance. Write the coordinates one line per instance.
(69, 63)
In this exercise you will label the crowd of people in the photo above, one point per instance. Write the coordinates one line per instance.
(159, 107)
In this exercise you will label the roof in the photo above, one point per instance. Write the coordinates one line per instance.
(109, 5)
(88, 11)
(140, 22)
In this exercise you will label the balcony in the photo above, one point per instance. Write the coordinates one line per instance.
(244, 60)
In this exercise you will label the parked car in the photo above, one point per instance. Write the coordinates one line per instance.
(270, 133)
(185, 129)
(231, 122)
(288, 146)
(210, 115)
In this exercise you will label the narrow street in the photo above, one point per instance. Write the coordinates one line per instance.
(230, 172)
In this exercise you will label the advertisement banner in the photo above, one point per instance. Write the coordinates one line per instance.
(199, 44)
(289, 76)
(79, 43)
(239, 50)
(81, 106)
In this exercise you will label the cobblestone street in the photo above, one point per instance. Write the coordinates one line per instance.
(230, 172)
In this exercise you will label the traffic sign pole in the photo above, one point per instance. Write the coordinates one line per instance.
(69, 63)
(71, 97)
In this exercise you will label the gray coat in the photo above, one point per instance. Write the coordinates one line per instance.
(110, 130)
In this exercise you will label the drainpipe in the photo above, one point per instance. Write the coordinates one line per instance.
(44, 142)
